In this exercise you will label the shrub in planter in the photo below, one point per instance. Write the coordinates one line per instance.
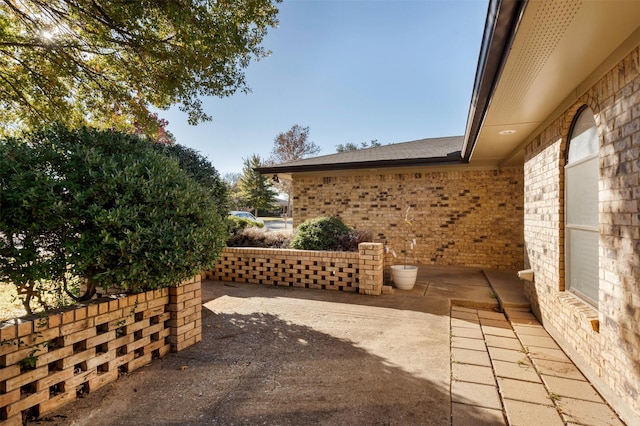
(350, 241)
(200, 169)
(236, 224)
(321, 233)
(103, 206)
(255, 237)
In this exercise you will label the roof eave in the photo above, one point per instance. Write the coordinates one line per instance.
(503, 18)
(378, 164)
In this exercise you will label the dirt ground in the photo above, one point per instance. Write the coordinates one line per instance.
(286, 356)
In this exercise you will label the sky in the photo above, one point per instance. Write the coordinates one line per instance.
(351, 70)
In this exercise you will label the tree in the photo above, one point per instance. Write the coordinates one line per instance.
(106, 62)
(289, 146)
(353, 147)
(294, 144)
(104, 206)
(237, 200)
(255, 187)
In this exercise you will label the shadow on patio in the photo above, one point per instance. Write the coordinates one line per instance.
(280, 355)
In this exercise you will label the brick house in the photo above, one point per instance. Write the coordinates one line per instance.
(546, 177)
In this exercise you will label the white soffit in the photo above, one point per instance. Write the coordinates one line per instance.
(557, 46)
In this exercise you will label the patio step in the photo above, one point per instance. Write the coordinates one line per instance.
(508, 288)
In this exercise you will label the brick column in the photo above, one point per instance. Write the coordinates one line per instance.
(371, 268)
(185, 306)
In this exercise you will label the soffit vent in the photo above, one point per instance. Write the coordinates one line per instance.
(550, 23)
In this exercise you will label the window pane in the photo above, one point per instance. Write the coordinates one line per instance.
(582, 193)
(583, 257)
(584, 137)
(581, 209)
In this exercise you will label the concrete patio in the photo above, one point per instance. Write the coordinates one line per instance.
(439, 354)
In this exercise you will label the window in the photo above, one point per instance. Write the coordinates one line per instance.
(581, 209)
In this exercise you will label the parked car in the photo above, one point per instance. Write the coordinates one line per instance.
(245, 215)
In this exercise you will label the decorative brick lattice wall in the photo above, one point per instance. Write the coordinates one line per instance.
(49, 361)
(460, 217)
(344, 271)
(613, 352)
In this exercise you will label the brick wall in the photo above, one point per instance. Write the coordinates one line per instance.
(613, 353)
(49, 361)
(460, 217)
(328, 270)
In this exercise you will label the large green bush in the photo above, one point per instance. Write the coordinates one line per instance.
(321, 233)
(200, 169)
(103, 206)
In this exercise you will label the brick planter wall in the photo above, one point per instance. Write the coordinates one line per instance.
(610, 355)
(460, 217)
(48, 361)
(344, 271)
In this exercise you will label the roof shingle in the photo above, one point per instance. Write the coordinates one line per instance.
(418, 152)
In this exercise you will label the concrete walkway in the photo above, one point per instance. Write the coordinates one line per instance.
(512, 369)
(440, 354)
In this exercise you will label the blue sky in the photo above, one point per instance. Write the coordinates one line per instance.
(351, 70)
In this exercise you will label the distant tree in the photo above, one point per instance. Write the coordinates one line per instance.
(231, 179)
(292, 145)
(105, 63)
(237, 200)
(255, 187)
(353, 147)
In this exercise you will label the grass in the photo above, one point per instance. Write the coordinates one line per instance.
(10, 305)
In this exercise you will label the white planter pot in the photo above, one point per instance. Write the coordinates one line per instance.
(404, 276)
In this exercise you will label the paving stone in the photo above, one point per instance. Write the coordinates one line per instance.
(491, 315)
(475, 394)
(576, 389)
(503, 342)
(524, 391)
(548, 354)
(558, 369)
(529, 330)
(526, 322)
(498, 331)
(473, 333)
(518, 371)
(525, 413)
(464, 315)
(587, 412)
(463, 309)
(467, 356)
(473, 373)
(465, 415)
(495, 323)
(466, 343)
(465, 323)
(538, 341)
(510, 355)
(512, 314)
